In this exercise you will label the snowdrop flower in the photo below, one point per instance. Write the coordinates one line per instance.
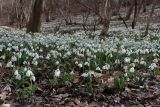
(7, 88)
(80, 65)
(33, 78)
(133, 64)
(14, 59)
(106, 67)
(57, 62)
(125, 68)
(16, 72)
(29, 73)
(85, 75)
(3, 57)
(136, 61)
(142, 62)
(117, 61)
(9, 64)
(76, 62)
(25, 69)
(127, 60)
(155, 60)
(152, 66)
(132, 69)
(57, 73)
(18, 77)
(98, 69)
(86, 63)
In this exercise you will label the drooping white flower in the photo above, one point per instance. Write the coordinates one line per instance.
(14, 58)
(98, 69)
(57, 62)
(18, 77)
(152, 66)
(106, 67)
(136, 61)
(57, 73)
(33, 78)
(85, 75)
(86, 63)
(29, 73)
(131, 69)
(7, 88)
(155, 60)
(9, 64)
(80, 65)
(16, 72)
(127, 60)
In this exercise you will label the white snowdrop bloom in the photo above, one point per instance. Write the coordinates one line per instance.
(25, 69)
(85, 75)
(131, 69)
(29, 73)
(125, 74)
(7, 88)
(76, 62)
(9, 64)
(16, 72)
(125, 68)
(57, 73)
(136, 61)
(155, 60)
(80, 65)
(18, 77)
(33, 78)
(3, 57)
(110, 55)
(14, 59)
(98, 69)
(127, 60)
(19, 54)
(142, 62)
(35, 63)
(16, 48)
(86, 63)
(25, 62)
(41, 50)
(106, 67)
(117, 61)
(152, 66)
(133, 64)
(123, 51)
(57, 62)
(8, 49)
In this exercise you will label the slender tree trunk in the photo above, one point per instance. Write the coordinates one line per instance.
(149, 17)
(130, 10)
(35, 17)
(106, 18)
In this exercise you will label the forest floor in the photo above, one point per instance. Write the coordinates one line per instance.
(75, 88)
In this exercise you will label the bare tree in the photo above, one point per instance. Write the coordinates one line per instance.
(149, 17)
(106, 18)
(35, 17)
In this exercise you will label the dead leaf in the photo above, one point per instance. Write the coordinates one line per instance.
(5, 105)
(77, 101)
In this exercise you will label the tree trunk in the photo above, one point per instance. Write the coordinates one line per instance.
(129, 12)
(106, 18)
(35, 17)
(149, 18)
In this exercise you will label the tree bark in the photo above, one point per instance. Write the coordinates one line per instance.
(149, 18)
(35, 17)
(106, 18)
